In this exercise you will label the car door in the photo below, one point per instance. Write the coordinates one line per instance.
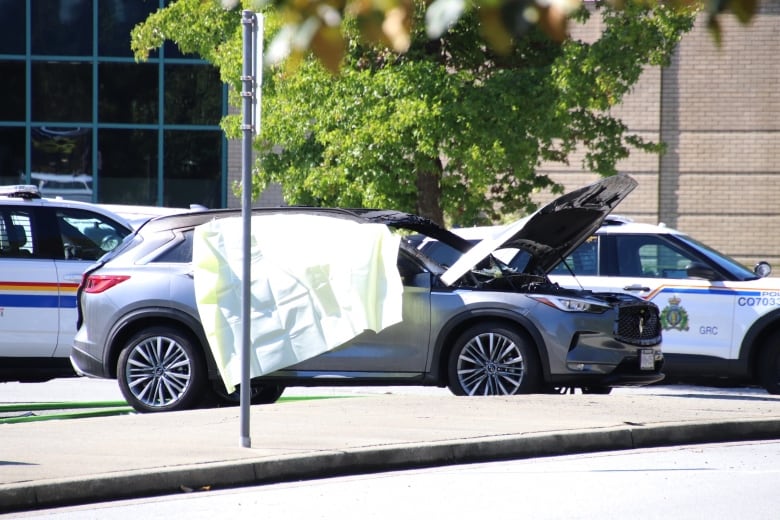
(79, 237)
(399, 351)
(697, 315)
(29, 289)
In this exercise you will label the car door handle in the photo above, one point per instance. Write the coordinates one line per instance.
(72, 277)
(636, 287)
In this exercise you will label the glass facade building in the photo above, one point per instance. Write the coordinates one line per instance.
(80, 118)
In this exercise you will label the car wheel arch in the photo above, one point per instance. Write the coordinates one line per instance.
(142, 319)
(755, 339)
(450, 332)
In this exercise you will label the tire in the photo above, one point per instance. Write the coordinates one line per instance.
(260, 394)
(563, 390)
(769, 365)
(493, 359)
(597, 390)
(162, 370)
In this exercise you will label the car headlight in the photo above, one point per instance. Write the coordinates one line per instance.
(568, 304)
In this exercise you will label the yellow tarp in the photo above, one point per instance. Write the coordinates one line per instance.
(317, 282)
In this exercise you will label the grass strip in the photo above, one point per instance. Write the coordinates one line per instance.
(78, 415)
(28, 407)
(107, 408)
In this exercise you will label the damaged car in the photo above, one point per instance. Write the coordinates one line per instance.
(481, 326)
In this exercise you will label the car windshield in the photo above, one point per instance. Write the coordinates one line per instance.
(725, 262)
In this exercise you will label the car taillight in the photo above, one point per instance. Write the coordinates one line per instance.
(97, 283)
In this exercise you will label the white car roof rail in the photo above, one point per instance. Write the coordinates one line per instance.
(22, 191)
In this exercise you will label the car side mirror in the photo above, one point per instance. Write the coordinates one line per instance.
(762, 269)
(699, 270)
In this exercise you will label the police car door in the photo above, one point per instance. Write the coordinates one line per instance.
(29, 321)
(82, 236)
(697, 315)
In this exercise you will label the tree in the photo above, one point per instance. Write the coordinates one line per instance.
(450, 129)
(316, 25)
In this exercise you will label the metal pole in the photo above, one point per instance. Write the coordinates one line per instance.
(248, 22)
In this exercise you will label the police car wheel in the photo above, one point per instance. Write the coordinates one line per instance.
(769, 371)
(161, 369)
(493, 359)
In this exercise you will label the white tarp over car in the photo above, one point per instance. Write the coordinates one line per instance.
(317, 282)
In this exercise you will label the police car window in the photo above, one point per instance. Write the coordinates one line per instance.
(16, 235)
(87, 235)
(651, 257)
(583, 261)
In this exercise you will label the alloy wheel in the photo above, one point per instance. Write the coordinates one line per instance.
(491, 364)
(158, 371)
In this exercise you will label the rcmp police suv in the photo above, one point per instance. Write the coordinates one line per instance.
(45, 246)
(720, 320)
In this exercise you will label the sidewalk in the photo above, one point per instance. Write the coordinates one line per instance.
(55, 463)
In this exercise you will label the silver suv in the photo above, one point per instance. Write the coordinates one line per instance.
(45, 246)
(479, 327)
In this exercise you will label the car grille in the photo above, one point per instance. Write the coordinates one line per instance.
(638, 324)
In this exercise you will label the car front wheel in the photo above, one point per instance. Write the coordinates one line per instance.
(160, 370)
(493, 359)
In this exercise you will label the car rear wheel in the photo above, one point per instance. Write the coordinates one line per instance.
(769, 365)
(493, 359)
(160, 370)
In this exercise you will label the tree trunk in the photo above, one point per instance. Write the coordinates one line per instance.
(429, 193)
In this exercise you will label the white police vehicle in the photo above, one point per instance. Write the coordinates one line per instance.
(721, 321)
(45, 246)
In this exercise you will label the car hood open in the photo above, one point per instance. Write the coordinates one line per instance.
(553, 231)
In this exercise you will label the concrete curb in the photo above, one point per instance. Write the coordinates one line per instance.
(320, 464)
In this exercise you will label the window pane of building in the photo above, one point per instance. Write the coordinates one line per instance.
(193, 169)
(12, 26)
(11, 155)
(61, 91)
(127, 169)
(115, 21)
(59, 150)
(12, 93)
(193, 95)
(127, 92)
(61, 27)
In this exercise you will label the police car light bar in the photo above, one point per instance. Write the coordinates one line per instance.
(23, 191)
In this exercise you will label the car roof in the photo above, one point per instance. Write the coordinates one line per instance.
(24, 194)
(621, 224)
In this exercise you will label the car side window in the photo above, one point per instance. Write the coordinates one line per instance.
(16, 234)
(584, 260)
(86, 235)
(651, 257)
(181, 250)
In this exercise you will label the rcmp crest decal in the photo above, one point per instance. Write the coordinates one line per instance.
(674, 316)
